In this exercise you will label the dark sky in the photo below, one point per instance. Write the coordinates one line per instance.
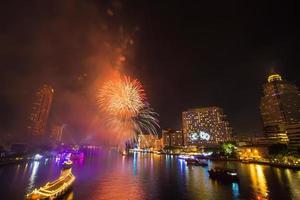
(186, 54)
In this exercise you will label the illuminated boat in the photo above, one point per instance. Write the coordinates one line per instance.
(124, 153)
(223, 174)
(183, 156)
(196, 162)
(57, 188)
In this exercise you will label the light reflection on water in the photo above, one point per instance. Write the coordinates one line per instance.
(109, 175)
(31, 183)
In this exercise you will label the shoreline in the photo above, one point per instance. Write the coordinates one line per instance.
(268, 163)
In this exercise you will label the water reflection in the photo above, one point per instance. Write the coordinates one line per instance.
(32, 177)
(151, 177)
(235, 190)
(258, 181)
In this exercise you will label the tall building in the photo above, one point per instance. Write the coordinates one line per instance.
(293, 133)
(279, 106)
(173, 138)
(40, 111)
(205, 125)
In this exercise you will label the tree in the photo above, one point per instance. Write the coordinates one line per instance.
(228, 149)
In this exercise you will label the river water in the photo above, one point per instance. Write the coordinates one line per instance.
(108, 175)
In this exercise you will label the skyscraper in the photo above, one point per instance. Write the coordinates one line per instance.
(205, 125)
(280, 106)
(40, 110)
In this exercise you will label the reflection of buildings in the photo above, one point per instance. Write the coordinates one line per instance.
(258, 180)
(280, 106)
(40, 111)
(149, 141)
(173, 138)
(209, 120)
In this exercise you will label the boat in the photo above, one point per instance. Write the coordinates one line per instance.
(223, 174)
(203, 164)
(196, 162)
(124, 153)
(56, 188)
(183, 156)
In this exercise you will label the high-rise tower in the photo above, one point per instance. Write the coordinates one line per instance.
(280, 106)
(40, 111)
(205, 125)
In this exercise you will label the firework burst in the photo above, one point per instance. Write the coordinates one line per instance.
(124, 103)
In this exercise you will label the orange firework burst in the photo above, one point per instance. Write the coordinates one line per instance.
(126, 110)
(123, 97)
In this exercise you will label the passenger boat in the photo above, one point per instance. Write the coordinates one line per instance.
(223, 174)
(57, 188)
(183, 156)
(196, 162)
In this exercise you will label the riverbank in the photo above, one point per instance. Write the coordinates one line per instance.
(261, 162)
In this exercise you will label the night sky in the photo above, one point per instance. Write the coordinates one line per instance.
(188, 54)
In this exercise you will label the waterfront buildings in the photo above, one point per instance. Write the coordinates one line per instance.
(40, 111)
(280, 108)
(205, 125)
(252, 152)
(293, 133)
(150, 141)
(173, 138)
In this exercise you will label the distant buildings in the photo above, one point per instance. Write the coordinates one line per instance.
(205, 125)
(173, 138)
(280, 109)
(150, 141)
(40, 111)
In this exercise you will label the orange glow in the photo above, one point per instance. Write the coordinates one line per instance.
(122, 100)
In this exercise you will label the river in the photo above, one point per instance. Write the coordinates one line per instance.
(108, 175)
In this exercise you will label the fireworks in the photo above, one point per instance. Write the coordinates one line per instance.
(122, 98)
(124, 103)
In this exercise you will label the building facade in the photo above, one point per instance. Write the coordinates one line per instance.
(205, 125)
(40, 111)
(293, 133)
(279, 107)
(173, 138)
(150, 141)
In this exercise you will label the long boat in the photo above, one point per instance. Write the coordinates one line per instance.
(56, 188)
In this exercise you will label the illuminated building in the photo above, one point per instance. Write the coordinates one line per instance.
(172, 138)
(40, 111)
(205, 125)
(293, 133)
(149, 141)
(252, 152)
(279, 106)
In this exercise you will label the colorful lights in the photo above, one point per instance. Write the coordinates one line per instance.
(201, 135)
(56, 188)
(37, 157)
(274, 77)
(127, 112)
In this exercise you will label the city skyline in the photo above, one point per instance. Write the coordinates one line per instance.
(181, 65)
(149, 100)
